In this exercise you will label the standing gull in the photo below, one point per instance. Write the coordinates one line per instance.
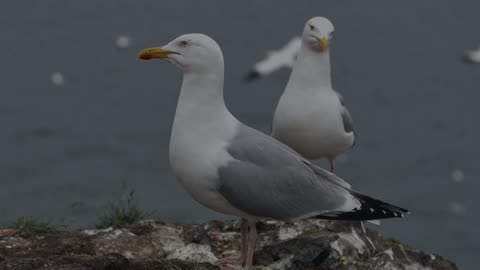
(311, 117)
(236, 170)
(284, 57)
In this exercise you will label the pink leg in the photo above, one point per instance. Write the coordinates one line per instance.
(243, 248)
(252, 240)
(243, 243)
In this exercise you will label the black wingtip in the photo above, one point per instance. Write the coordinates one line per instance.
(251, 76)
(370, 209)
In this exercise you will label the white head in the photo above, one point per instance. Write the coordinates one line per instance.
(189, 52)
(317, 34)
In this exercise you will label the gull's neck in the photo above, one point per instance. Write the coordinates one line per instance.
(201, 109)
(311, 70)
(201, 95)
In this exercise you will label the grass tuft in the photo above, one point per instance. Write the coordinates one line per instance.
(33, 225)
(120, 213)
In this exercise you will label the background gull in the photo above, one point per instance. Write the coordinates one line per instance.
(472, 56)
(236, 170)
(57, 78)
(123, 41)
(276, 59)
(311, 117)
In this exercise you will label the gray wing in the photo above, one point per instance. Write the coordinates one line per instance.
(324, 174)
(267, 179)
(346, 117)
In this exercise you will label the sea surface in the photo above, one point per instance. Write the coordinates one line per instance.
(101, 128)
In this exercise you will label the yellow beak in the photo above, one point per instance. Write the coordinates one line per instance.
(323, 42)
(154, 52)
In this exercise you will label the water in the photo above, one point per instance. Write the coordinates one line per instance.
(68, 149)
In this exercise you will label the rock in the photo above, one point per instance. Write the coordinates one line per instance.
(193, 253)
(128, 244)
(310, 244)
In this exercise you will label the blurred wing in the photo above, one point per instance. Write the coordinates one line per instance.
(276, 60)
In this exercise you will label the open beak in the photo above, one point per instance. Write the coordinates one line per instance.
(154, 52)
(323, 42)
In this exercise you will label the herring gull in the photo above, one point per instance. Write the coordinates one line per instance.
(310, 116)
(236, 170)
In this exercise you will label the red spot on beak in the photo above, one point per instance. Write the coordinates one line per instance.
(146, 56)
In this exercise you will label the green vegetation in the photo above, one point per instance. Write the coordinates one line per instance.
(122, 212)
(33, 225)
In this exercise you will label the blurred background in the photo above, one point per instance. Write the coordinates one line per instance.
(82, 120)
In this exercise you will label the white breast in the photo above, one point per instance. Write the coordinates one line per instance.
(311, 124)
(196, 153)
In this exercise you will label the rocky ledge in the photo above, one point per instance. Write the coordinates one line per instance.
(310, 244)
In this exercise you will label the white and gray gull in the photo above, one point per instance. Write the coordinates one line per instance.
(311, 117)
(236, 170)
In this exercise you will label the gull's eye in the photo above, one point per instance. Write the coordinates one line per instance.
(183, 44)
(330, 36)
(311, 27)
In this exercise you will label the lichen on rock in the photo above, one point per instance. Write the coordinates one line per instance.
(148, 244)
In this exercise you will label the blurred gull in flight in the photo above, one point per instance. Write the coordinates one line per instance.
(284, 57)
(123, 41)
(472, 56)
(457, 176)
(311, 117)
(57, 78)
(456, 208)
(236, 170)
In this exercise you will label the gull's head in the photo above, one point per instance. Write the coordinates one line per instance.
(318, 33)
(189, 52)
